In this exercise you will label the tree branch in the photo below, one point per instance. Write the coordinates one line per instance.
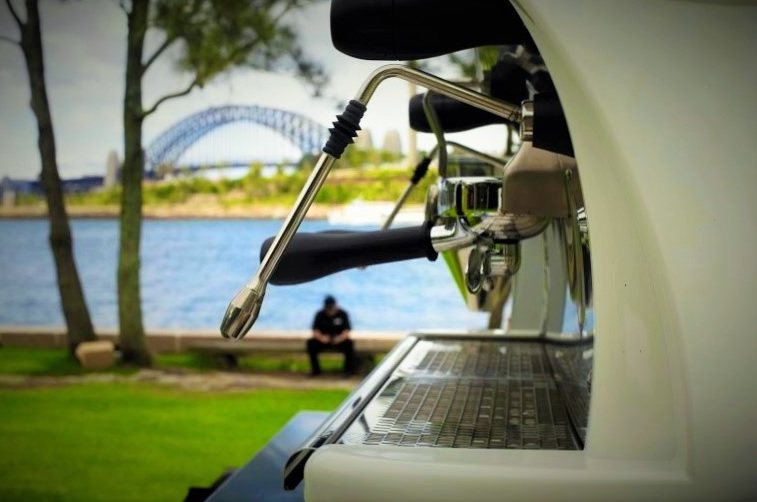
(10, 40)
(177, 94)
(155, 55)
(13, 12)
(244, 48)
(283, 13)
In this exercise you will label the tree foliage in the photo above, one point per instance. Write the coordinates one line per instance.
(221, 34)
(215, 36)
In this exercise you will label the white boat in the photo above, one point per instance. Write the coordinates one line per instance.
(360, 212)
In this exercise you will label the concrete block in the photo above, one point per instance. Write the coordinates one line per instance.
(96, 355)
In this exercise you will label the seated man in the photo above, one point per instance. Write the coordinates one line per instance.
(331, 331)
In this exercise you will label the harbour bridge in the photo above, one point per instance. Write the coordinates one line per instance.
(168, 148)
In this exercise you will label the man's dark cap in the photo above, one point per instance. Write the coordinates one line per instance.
(329, 301)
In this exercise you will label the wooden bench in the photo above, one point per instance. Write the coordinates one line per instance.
(226, 353)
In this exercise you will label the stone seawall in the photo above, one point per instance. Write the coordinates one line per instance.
(165, 340)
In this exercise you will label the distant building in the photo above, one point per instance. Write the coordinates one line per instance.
(364, 141)
(82, 185)
(392, 142)
(7, 192)
(8, 198)
(112, 169)
(12, 188)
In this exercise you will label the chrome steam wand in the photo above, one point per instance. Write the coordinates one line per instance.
(244, 308)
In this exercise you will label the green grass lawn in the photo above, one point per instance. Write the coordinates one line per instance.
(50, 362)
(128, 441)
(53, 362)
(288, 362)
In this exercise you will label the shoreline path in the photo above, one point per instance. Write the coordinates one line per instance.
(211, 381)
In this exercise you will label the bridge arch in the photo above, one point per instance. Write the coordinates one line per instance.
(167, 148)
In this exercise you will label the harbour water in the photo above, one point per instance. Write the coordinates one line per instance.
(191, 269)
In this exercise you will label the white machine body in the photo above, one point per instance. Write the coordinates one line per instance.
(660, 99)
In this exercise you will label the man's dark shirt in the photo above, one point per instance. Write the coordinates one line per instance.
(332, 325)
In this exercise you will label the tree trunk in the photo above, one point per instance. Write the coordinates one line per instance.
(132, 334)
(75, 312)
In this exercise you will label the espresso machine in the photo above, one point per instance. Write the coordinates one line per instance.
(629, 194)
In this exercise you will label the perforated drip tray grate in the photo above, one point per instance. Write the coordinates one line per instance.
(470, 394)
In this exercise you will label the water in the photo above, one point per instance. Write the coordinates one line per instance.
(192, 268)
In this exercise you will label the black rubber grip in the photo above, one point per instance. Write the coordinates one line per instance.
(420, 170)
(345, 128)
(311, 256)
(550, 127)
(453, 115)
(402, 30)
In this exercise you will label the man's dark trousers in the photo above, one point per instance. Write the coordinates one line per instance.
(315, 347)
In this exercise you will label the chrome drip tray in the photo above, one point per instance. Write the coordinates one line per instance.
(465, 391)
(469, 394)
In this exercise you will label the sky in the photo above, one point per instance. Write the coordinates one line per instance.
(85, 46)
